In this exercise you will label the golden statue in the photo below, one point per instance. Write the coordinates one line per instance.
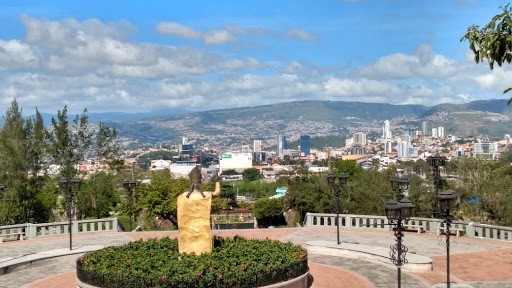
(194, 206)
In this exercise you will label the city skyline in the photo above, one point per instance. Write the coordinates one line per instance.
(161, 55)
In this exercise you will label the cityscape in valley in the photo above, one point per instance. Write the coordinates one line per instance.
(258, 139)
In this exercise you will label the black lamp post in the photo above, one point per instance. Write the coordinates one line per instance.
(397, 212)
(64, 185)
(342, 182)
(436, 162)
(130, 185)
(447, 201)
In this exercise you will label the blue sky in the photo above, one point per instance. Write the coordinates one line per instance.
(136, 56)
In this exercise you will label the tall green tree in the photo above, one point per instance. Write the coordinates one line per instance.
(107, 147)
(68, 143)
(13, 162)
(493, 42)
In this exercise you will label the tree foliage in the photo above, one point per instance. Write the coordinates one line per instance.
(68, 144)
(269, 212)
(493, 42)
(251, 174)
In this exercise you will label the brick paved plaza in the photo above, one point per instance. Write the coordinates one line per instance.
(479, 263)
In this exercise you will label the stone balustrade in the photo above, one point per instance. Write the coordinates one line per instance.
(32, 231)
(374, 222)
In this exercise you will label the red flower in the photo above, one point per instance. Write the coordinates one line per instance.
(81, 259)
(198, 274)
(232, 244)
(164, 278)
(220, 277)
(294, 254)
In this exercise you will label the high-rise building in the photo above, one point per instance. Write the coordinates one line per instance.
(305, 145)
(187, 151)
(424, 128)
(387, 146)
(359, 138)
(440, 131)
(257, 146)
(406, 138)
(281, 145)
(403, 150)
(434, 133)
(404, 145)
(245, 149)
(386, 130)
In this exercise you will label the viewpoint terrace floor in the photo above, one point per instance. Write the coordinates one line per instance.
(480, 263)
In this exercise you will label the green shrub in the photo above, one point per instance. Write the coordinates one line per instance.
(234, 262)
(269, 212)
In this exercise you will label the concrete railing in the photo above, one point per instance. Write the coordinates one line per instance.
(374, 222)
(32, 231)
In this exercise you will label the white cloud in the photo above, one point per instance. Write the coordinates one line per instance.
(422, 64)
(178, 30)
(15, 55)
(294, 68)
(218, 36)
(301, 35)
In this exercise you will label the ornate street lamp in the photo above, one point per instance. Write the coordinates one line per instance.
(397, 212)
(64, 185)
(336, 187)
(399, 185)
(436, 162)
(129, 186)
(448, 200)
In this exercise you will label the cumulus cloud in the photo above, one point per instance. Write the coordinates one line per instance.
(216, 37)
(302, 35)
(15, 55)
(421, 64)
(178, 30)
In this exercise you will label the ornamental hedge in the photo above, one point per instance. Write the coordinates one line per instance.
(234, 262)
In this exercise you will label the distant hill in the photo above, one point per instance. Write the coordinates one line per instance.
(238, 126)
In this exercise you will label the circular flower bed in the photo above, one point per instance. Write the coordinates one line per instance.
(234, 262)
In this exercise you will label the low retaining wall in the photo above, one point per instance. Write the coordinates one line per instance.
(297, 282)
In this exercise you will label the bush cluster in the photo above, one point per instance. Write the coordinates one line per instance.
(234, 262)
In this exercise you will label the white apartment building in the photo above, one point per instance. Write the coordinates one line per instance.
(440, 131)
(257, 146)
(359, 138)
(434, 133)
(235, 161)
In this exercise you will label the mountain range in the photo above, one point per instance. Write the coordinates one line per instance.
(228, 128)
